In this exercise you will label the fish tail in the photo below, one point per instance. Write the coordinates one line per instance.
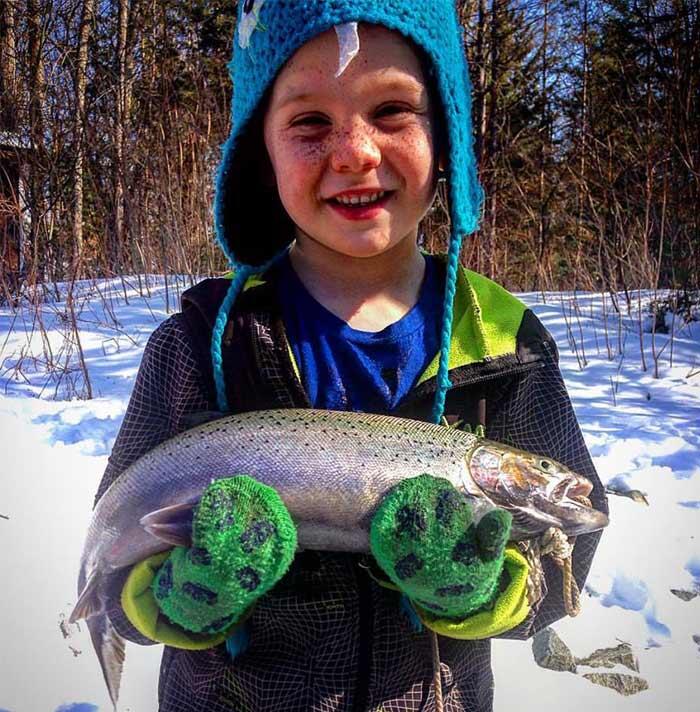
(110, 649)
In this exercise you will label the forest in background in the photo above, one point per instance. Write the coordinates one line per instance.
(586, 129)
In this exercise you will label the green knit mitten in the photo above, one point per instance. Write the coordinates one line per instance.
(243, 541)
(423, 538)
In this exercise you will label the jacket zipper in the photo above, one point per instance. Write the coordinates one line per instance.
(470, 382)
(490, 376)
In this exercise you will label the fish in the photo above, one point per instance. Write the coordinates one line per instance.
(331, 469)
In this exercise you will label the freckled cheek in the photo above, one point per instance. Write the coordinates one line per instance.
(309, 155)
(298, 173)
(414, 151)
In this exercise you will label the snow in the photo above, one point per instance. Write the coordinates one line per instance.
(643, 433)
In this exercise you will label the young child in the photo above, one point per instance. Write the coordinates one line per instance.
(346, 113)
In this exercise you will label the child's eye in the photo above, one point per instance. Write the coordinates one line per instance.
(310, 121)
(392, 110)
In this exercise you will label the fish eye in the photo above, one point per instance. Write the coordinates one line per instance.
(545, 464)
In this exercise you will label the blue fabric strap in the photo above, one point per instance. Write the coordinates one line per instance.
(237, 643)
(410, 612)
(443, 379)
(240, 277)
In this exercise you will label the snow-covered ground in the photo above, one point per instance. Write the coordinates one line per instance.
(643, 433)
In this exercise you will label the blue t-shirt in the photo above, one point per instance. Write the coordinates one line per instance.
(346, 369)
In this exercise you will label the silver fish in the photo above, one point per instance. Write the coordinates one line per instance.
(331, 469)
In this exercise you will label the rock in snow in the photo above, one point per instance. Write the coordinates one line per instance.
(609, 657)
(623, 684)
(551, 652)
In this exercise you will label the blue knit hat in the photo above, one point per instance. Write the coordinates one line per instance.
(251, 225)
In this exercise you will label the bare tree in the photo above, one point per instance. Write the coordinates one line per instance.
(584, 119)
(86, 20)
(8, 64)
(36, 85)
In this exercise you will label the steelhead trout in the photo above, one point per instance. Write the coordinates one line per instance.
(331, 469)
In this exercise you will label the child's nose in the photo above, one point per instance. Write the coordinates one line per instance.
(355, 150)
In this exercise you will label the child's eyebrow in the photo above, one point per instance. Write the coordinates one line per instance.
(393, 84)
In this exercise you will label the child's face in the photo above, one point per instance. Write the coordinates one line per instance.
(369, 131)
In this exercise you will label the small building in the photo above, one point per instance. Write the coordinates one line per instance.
(14, 216)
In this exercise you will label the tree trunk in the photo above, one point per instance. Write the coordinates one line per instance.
(583, 143)
(8, 65)
(38, 165)
(80, 86)
(488, 265)
(119, 133)
(479, 82)
(543, 221)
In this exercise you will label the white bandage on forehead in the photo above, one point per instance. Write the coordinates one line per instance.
(348, 45)
(250, 21)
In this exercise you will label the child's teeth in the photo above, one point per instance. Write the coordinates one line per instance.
(363, 200)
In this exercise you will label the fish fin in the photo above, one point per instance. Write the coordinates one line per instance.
(110, 649)
(172, 524)
(169, 534)
(88, 604)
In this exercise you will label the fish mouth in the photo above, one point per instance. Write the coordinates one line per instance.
(573, 512)
(569, 501)
(574, 487)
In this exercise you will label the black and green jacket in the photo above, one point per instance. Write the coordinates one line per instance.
(328, 636)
